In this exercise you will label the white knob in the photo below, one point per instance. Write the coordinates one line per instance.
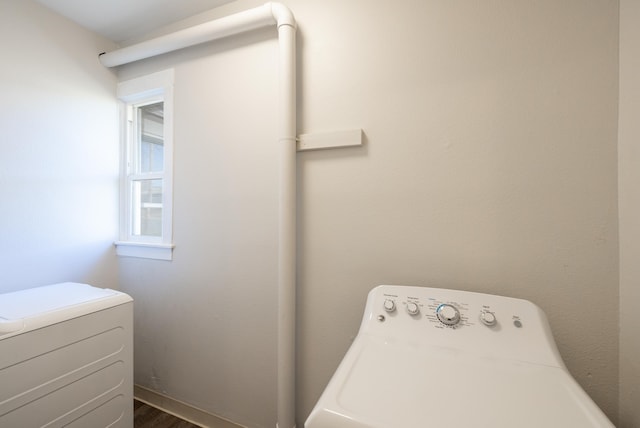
(488, 318)
(412, 308)
(448, 314)
(389, 305)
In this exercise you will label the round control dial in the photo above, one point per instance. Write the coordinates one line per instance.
(448, 314)
(488, 318)
(389, 305)
(412, 308)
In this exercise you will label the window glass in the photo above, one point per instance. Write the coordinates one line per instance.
(151, 137)
(147, 207)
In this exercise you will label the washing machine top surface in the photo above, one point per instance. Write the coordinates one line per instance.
(428, 357)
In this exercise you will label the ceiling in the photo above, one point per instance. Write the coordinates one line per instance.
(121, 20)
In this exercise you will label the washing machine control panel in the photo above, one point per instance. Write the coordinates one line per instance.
(482, 323)
(440, 311)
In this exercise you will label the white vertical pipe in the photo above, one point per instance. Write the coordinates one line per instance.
(287, 223)
(241, 22)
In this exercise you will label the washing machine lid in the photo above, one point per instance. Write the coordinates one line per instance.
(384, 385)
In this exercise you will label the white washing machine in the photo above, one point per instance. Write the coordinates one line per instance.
(428, 357)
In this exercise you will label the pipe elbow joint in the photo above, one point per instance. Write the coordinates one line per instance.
(282, 14)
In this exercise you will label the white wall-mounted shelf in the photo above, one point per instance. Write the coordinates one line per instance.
(329, 140)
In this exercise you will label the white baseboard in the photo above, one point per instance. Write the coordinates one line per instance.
(182, 410)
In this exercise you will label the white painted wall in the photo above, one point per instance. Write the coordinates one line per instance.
(489, 165)
(205, 323)
(58, 152)
(629, 196)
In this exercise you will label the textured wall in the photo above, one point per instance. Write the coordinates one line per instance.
(489, 165)
(629, 157)
(58, 152)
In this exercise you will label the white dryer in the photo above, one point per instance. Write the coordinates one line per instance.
(428, 357)
(66, 357)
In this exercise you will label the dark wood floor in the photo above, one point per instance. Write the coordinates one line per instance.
(145, 416)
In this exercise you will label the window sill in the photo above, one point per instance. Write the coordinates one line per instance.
(144, 250)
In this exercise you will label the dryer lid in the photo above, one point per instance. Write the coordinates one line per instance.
(26, 310)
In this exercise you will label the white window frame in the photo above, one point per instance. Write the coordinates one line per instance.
(136, 92)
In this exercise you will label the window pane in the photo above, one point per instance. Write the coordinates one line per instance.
(151, 120)
(146, 208)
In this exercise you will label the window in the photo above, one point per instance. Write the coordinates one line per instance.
(146, 166)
